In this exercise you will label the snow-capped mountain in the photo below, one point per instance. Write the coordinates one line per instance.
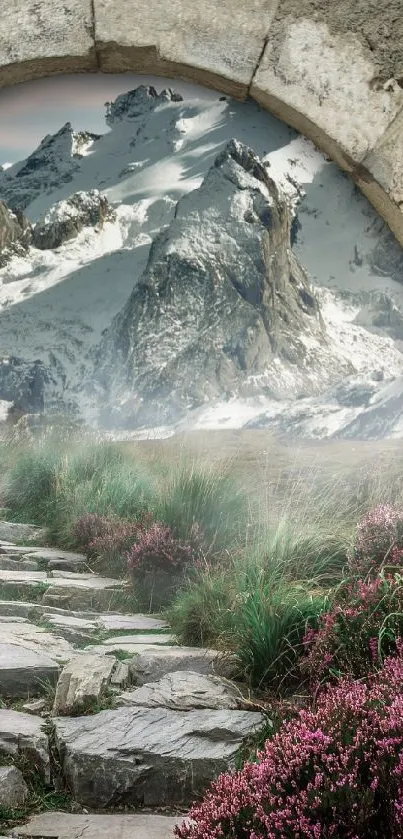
(200, 265)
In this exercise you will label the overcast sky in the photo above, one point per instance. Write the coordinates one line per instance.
(31, 110)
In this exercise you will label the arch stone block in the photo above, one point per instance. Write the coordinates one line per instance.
(334, 71)
(214, 43)
(42, 37)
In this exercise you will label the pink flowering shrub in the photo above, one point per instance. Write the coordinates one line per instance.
(158, 562)
(336, 771)
(378, 542)
(358, 632)
(106, 540)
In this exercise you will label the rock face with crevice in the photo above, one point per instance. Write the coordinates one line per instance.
(224, 294)
(65, 220)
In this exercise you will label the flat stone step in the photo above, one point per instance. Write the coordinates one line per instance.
(95, 594)
(141, 623)
(49, 558)
(20, 608)
(7, 563)
(19, 576)
(151, 663)
(184, 691)
(125, 826)
(150, 757)
(71, 591)
(35, 638)
(75, 630)
(139, 638)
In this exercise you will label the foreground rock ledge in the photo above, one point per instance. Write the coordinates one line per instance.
(150, 757)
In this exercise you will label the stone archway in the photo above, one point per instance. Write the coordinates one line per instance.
(332, 71)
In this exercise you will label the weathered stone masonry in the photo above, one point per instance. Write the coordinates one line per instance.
(331, 69)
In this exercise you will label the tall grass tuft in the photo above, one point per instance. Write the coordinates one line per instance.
(195, 494)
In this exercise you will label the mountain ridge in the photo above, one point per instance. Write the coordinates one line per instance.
(56, 304)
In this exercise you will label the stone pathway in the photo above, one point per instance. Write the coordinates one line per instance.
(129, 718)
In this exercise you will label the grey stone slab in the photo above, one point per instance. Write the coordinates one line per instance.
(151, 663)
(51, 554)
(9, 564)
(83, 595)
(142, 623)
(120, 677)
(23, 609)
(13, 789)
(11, 531)
(124, 640)
(37, 639)
(23, 671)
(151, 757)
(82, 682)
(23, 734)
(184, 691)
(18, 576)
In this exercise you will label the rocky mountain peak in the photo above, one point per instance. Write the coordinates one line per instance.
(15, 234)
(237, 158)
(138, 102)
(51, 165)
(224, 294)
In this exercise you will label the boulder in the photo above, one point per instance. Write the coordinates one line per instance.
(14, 532)
(150, 757)
(184, 691)
(82, 683)
(22, 735)
(23, 672)
(13, 789)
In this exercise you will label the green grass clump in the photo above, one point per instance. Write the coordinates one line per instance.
(194, 494)
(53, 485)
(259, 600)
